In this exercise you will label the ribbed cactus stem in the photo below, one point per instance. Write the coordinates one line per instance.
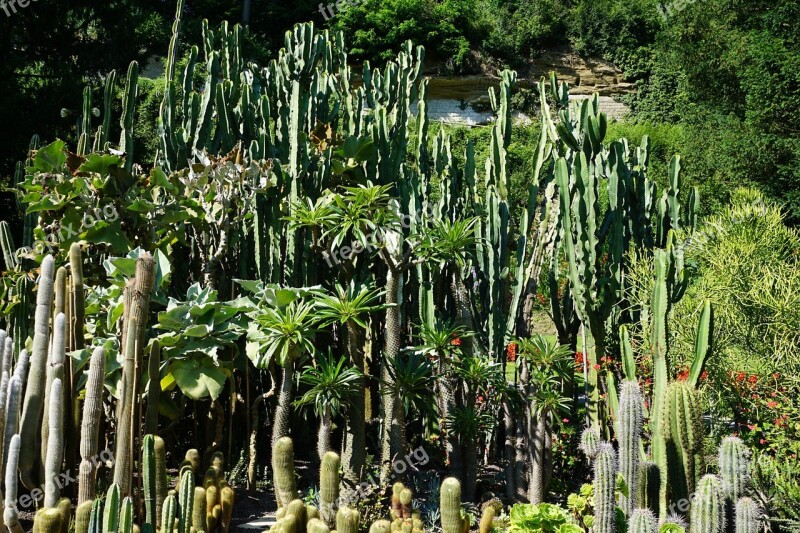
(605, 480)
(7, 246)
(682, 434)
(590, 439)
(10, 517)
(629, 436)
(734, 467)
(169, 513)
(649, 486)
(83, 516)
(149, 480)
(748, 516)
(283, 471)
(160, 452)
(55, 370)
(78, 312)
(96, 518)
(34, 390)
(7, 354)
(21, 370)
(126, 516)
(123, 468)
(55, 446)
(450, 506)
(642, 521)
(329, 487)
(90, 425)
(153, 388)
(186, 502)
(199, 510)
(707, 514)
(347, 520)
(112, 508)
(4, 382)
(12, 419)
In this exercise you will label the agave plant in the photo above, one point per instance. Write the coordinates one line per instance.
(335, 386)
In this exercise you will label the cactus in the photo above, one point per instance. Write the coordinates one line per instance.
(734, 467)
(83, 516)
(160, 453)
(298, 509)
(34, 390)
(149, 480)
(397, 507)
(629, 436)
(707, 514)
(169, 513)
(487, 519)
(329, 487)
(123, 468)
(55, 446)
(96, 518)
(406, 499)
(128, 109)
(649, 485)
(12, 418)
(126, 516)
(111, 509)
(10, 516)
(7, 246)
(642, 521)
(450, 506)
(682, 433)
(90, 425)
(748, 516)
(48, 520)
(316, 525)
(380, 526)
(186, 501)
(64, 507)
(4, 382)
(227, 497)
(605, 480)
(590, 440)
(199, 510)
(192, 458)
(283, 471)
(153, 388)
(347, 520)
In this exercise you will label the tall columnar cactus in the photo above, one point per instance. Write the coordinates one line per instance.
(126, 516)
(7, 246)
(55, 446)
(329, 487)
(629, 436)
(199, 510)
(283, 471)
(734, 467)
(748, 516)
(149, 481)
(590, 440)
(160, 453)
(605, 483)
(683, 437)
(186, 502)
(111, 509)
(90, 425)
(153, 387)
(55, 370)
(649, 486)
(707, 514)
(128, 110)
(96, 518)
(10, 516)
(642, 521)
(169, 513)
(4, 381)
(450, 506)
(123, 468)
(34, 391)
(12, 416)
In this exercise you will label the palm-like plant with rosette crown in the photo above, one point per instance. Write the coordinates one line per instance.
(335, 387)
(348, 307)
(286, 334)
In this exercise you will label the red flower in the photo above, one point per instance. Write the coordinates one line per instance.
(578, 358)
(762, 442)
(772, 404)
(597, 367)
(753, 379)
(704, 375)
(511, 352)
(740, 376)
(456, 341)
(683, 375)
(565, 420)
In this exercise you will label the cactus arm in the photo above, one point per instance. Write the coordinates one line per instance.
(702, 343)
(55, 446)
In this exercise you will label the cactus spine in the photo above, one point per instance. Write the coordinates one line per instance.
(55, 446)
(90, 425)
(34, 390)
(283, 471)
(734, 467)
(329, 487)
(629, 435)
(450, 506)
(605, 480)
(748, 516)
(682, 433)
(708, 507)
(642, 521)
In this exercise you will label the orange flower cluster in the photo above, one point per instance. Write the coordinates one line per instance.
(511, 352)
